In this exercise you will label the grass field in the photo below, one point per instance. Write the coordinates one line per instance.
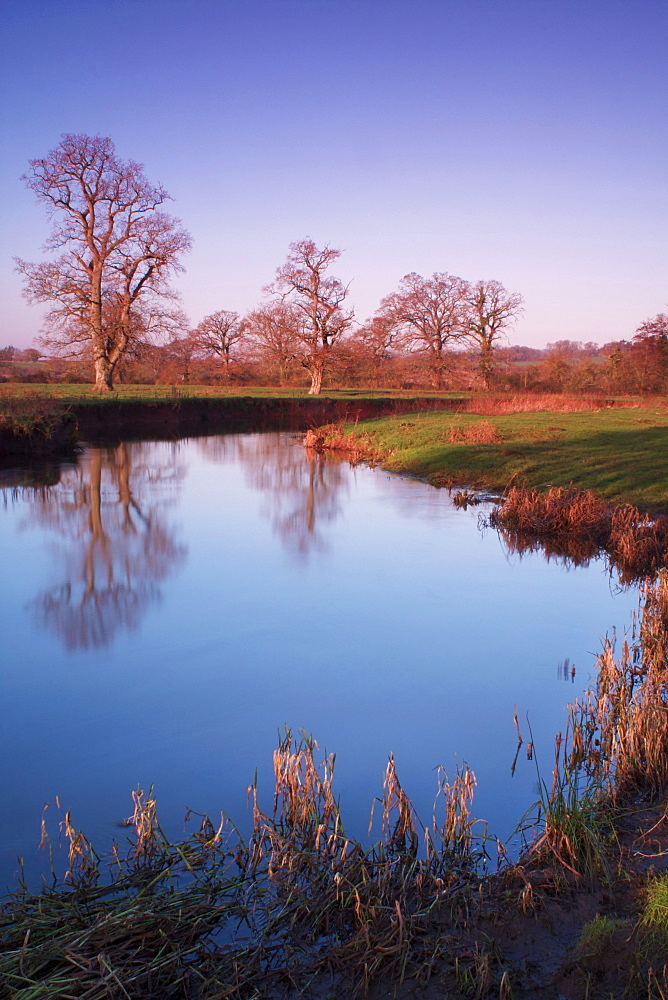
(76, 393)
(620, 453)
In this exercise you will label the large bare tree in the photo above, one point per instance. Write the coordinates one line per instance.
(218, 333)
(274, 334)
(429, 314)
(116, 248)
(492, 310)
(318, 299)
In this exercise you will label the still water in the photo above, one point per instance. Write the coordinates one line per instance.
(168, 607)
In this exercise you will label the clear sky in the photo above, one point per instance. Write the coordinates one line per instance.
(519, 140)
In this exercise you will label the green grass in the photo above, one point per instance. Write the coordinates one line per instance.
(620, 453)
(77, 393)
(596, 936)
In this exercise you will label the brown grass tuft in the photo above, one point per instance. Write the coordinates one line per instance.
(578, 524)
(535, 402)
(482, 432)
(356, 446)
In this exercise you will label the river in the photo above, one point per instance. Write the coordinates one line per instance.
(169, 607)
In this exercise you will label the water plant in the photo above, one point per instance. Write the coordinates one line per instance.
(579, 525)
(216, 916)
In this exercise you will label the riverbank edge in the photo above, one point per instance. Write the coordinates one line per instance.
(23, 430)
(469, 435)
(364, 418)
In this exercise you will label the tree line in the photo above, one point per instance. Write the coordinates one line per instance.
(113, 251)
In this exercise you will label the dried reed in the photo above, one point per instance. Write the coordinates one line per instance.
(356, 446)
(579, 525)
(489, 405)
(615, 750)
(213, 916)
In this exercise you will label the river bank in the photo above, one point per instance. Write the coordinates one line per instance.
(620, 452)
(615, 447)
(135, 413)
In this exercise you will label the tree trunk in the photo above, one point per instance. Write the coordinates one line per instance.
(316, 379)
(104, 374)
(486, 364)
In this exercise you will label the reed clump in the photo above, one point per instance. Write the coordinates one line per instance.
(615, 750)
(214, 916)
(355, 446)
(579, 524)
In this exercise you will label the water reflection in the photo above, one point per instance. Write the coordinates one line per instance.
(115, 543)
(303, 490)
(569, 552)
(427, 638)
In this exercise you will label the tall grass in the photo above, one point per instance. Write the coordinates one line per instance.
(491, 405)
(579, 524)
(615, 749)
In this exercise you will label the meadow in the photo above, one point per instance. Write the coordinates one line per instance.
(617, 448)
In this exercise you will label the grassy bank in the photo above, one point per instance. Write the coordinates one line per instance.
(78, 393)
(36, 427)
(616, 447)
(621, 453)
(303, 910)
(135, 412)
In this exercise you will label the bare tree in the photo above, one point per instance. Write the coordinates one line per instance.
(117, 544)
(369, 349)
(429, 314)
(656, 327)
(317, 298)
(492, 310)
(181, 354)
(218, 333)
(274, 332)
(648, 354)
(119, 248)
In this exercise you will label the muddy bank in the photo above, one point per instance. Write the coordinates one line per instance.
(38, 430)
(196, 417)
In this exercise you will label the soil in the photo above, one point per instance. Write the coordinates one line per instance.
(524, 941)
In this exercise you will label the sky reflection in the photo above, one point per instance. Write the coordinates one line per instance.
(292, 591)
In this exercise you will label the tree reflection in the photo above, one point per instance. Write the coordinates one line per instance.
(575, 551)
(118, 546)
(302, 489)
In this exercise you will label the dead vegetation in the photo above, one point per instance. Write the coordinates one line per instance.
(355, 448)
(216, 917)
(481, 432)
(579, 525)
(490, 405)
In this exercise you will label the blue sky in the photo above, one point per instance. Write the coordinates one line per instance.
(515, 140)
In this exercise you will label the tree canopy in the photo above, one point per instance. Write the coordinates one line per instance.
(113, 249)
